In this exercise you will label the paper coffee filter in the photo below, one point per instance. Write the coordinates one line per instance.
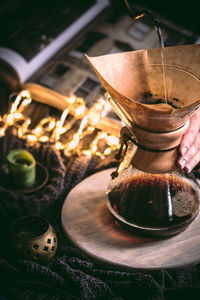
(134, 78)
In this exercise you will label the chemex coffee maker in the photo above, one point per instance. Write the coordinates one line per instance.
(149, 194)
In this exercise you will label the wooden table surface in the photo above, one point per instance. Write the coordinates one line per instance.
(88, 223)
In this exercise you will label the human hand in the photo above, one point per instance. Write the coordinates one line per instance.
(190, 145)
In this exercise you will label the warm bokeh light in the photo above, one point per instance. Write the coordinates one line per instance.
(50, 129)
(31, 138)
(43, 139)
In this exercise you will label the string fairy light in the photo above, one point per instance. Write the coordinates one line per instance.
(22, 100)
(77, 136)
(58, 130)
(51, 129)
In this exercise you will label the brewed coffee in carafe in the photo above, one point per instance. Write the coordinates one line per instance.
(148, 194)
(152, 204)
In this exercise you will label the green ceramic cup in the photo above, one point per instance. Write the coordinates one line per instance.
(21, 166)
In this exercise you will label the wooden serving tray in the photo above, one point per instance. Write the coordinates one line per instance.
(88, 223)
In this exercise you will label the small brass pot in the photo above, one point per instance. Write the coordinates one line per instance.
(34, 239)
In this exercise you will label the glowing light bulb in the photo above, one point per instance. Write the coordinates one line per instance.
(59, 145)
(25, 94)
(87, 153)
(44, 139)
(112, 140)
(37, 130)
(17, 115)
(79, 111)
(95, 120)
(71, 99)
(31, 138)
(107, 151)
(10, 118)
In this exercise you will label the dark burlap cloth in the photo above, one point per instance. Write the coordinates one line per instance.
(72, 274)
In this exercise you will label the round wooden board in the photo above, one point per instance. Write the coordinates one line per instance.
(87, 221)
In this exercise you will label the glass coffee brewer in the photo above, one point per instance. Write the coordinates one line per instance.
(148, 194)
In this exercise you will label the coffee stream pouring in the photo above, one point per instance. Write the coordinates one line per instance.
(151, 195)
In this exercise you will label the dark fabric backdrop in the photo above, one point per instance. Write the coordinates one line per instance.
(72, 274)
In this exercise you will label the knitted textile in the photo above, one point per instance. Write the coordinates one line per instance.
(72, 274)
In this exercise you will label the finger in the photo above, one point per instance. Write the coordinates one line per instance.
(189, 136)
(192, 163)
(189, 160)
(191, 133)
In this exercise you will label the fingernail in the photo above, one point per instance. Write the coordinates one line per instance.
(182, 163)
(187, 169)
(184, 150)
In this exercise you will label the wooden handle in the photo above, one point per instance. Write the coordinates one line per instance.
(155, 161)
